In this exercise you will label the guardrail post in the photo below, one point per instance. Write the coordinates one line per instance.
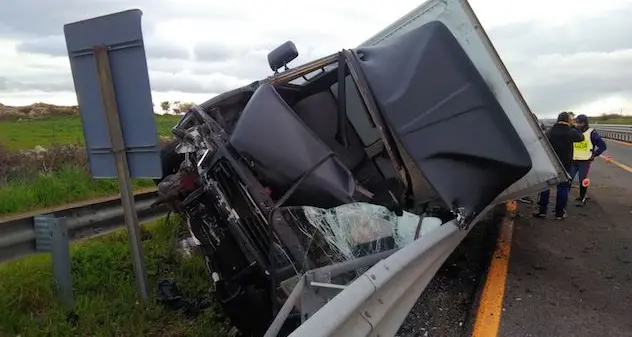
(51, 235)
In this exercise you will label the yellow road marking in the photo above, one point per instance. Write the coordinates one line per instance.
(621, 165)
(490, 305)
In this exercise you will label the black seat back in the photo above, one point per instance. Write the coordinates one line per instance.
(284, 148)
(320, 113)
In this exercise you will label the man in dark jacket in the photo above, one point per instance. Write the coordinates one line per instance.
(561, 136)
(584, 153)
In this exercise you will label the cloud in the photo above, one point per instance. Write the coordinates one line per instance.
(595, 32)
(55, 45)
(10, 86)
(4, 84)
(53, 85)
(56, 82)
(576, 80)
(37, 18)
(194, 83)
(222, 51)
(571, 63)
(212, 52)
(570, 56)
(163, 50)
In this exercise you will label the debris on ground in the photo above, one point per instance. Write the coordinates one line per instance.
(170, 295)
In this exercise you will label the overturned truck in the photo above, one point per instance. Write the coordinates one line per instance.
(356, 153)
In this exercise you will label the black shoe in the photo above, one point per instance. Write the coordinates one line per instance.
(539, 214)
(561, 216)
(581, 202)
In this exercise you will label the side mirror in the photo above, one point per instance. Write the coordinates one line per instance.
(282, 55)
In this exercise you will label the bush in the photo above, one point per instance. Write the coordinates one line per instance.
(41, 177)
(28, 164)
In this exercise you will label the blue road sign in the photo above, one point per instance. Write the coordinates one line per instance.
(121, 34)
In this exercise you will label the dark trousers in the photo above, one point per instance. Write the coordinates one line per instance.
(580, 167)
(561, 199)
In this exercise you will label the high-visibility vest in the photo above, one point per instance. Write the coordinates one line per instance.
(583, 150)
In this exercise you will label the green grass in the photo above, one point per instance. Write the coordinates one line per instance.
(69, 184)
(19, 135)
(106, 302)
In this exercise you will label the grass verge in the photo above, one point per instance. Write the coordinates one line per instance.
(65, 185)
(106, 302)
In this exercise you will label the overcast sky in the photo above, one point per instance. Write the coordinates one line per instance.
(563, 54)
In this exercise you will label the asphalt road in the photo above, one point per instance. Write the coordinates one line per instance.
(568, 278)
(621, 152)
(574, 277)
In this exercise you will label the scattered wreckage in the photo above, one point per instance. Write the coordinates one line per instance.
(359, 152)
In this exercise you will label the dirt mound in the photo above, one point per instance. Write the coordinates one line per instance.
(36, 111)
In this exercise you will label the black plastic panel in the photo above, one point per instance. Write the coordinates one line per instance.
(445, 115)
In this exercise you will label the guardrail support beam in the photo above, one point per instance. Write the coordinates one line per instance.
(51, 235)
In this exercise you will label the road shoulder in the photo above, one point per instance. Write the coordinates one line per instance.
(571, 278)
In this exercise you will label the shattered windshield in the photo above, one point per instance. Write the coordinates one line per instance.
(354, 230)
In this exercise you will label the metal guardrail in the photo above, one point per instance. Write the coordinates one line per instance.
(18, 236)
(377, 302)
(615, 131)
(618, 132)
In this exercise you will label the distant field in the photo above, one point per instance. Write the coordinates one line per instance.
(60, 176)
(18, 135)
(612, 119)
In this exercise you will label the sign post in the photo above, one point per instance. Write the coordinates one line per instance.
(122, 170)
(109, 69)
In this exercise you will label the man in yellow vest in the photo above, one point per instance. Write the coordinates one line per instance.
(583, 154)
(561, 136)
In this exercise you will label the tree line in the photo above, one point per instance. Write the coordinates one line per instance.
(175, 107)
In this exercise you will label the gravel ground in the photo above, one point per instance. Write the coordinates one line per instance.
(447, 305)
